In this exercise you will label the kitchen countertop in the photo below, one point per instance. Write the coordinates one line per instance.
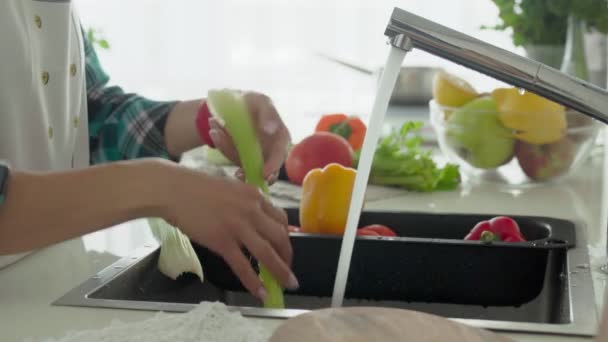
(30, 285)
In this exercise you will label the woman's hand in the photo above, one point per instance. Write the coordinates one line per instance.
(225, 215)
(181, 133)
(272, 132)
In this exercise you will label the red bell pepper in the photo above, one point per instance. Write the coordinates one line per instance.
(351, 128)
(500, 228)
(376, 230)
(366, 232)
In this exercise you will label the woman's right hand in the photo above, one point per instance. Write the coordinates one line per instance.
(225, 215)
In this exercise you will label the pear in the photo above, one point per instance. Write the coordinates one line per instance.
(475, 132)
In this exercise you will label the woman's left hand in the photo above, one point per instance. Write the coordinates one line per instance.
(272, 132)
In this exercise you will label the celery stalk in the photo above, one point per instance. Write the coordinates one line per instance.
(230, 107)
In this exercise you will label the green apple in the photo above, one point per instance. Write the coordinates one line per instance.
(475, 132)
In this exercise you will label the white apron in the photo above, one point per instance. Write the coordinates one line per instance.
(43, 114)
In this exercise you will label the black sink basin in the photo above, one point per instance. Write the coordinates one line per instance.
(144, 282)
(505, 286)
(428, 262)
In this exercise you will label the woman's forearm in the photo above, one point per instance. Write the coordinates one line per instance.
(45, 208)
(180, 131)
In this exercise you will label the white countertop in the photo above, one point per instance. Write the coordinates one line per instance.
(29, 286)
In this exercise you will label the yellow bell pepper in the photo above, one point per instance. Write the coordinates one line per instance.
(326, 195)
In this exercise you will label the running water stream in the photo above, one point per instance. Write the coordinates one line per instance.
(383, 95)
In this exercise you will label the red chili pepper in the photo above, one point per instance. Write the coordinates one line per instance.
(500, 228)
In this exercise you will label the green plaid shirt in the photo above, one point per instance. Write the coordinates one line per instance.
(121, 125)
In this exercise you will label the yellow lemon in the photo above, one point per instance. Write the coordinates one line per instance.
(535, 119)
(452, 91)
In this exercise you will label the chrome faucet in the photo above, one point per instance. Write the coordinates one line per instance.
(406, 31)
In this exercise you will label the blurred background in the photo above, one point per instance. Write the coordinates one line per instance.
(180, 49)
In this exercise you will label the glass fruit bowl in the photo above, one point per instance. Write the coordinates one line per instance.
(513, 143)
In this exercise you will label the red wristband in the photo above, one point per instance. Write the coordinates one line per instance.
(202, 124)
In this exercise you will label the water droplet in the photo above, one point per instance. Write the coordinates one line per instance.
(521, 91)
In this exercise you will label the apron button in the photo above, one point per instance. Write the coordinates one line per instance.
(76, 122)
(38, 21)
(50, 132)
(45, 77)
(73, 69)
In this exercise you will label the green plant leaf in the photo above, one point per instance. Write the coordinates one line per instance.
(544, 22)
(103, 44)
(530, 22)
(94, 40)
(91, 34)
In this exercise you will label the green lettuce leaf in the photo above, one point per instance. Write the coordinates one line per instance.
(399, 161)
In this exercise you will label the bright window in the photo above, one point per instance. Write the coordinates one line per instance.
(180, 49)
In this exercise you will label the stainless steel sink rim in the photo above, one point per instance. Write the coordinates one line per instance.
(583, 313)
